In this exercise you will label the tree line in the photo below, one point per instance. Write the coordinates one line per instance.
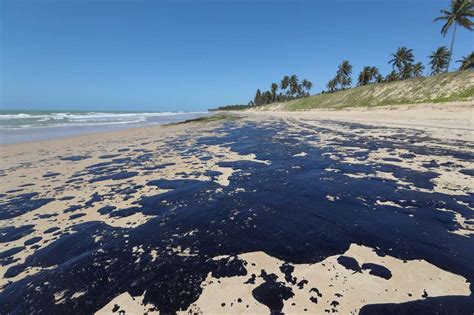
(402, 62)
(290, 88)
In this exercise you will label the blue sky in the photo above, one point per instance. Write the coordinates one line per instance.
(195, 55)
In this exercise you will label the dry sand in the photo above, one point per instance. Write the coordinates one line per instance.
(454, 120)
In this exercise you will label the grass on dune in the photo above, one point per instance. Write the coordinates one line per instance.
(455, 86)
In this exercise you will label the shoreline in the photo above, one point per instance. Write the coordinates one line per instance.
(36, 132)
(93, 136)
(454, 116)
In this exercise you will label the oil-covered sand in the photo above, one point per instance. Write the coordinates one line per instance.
(284, 213)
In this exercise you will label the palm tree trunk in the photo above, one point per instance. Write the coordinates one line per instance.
(452, 45)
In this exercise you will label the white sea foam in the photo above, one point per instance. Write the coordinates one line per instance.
(24, 120)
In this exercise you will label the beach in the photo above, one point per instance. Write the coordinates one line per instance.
(365, 210)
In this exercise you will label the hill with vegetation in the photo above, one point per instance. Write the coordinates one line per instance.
(405, 84)
(454, 86)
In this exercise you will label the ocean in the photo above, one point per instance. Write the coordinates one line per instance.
(17, 126)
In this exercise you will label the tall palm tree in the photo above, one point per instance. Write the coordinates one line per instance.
(332, 85)
(460, 12)
(344, 72)
(401, 57)
(467, 62)
(439, 60)
(417, 69)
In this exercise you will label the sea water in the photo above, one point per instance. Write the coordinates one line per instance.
(18, 126)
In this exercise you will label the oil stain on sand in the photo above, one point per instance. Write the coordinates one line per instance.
(252, 216)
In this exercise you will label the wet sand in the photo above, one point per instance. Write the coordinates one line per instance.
(315, 212)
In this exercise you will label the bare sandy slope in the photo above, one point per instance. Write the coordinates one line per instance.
(447, 120)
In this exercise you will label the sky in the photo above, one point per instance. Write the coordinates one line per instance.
(141, 55)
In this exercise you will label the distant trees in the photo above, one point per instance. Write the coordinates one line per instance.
(290, 88)
(232, 107)
(439, 60)
(392, 76)
(332, 85)
(403, 65)
(406, 72)
(369, 75)
(467, 62)
(343, 77)
(460, 12)
(401, 58)
(274, 89)
(343, 74)
(307, 85)
(417, 69)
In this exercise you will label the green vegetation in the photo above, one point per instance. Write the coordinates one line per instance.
(467, 62)
(343, 76)
(290, 88)
(231, 107)
(370, 82)
(453, 86)
(439, 60)
(207, 119)
(369, 75)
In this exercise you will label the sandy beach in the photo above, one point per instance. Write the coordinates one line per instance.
(349, 211)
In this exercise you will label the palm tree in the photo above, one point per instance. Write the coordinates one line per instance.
(274, 89)
(307, 85)
(406, 71)
(364, 76)
(392, 76)
(285, 82)
(267, 97)
(258, 97)
(467, 62)
(374, 73)
(379, 78)
(332, 85)
(294, 85)
(439, 60)
(401, 57)
(417, 69)
(344, 72)
(460, 12)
